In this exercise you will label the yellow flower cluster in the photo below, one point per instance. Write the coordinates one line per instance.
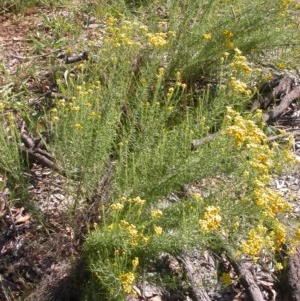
(271, 201)
(239, 86)
(135, 237)
(158, 230)
(127, 280)
(156, 214)
(297, 234)
(228, 35)
(212, 219)
(170, 93)
(137, 200)
(285, 4)
(158, 39)
(278, 235)
(134, 35)
(161, 73)
(254, 244)
(131, 228)
(78, 126)
(117, 206)
(229, 44)
(238, 68)
(243, 131)
(207, 36)
(261, 160)
(197, 197)
(240, 63)
(123, 32)
(54, 119)
(226, 278)
(135, 262)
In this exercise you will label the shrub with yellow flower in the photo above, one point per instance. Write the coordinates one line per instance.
(212, 219)
(127, 280)
(207, 36)
(156, 213)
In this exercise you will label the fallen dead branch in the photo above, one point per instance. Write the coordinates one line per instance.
(294, 275)
(285, 102)
(198, 142)
(247, 279)
(282, 136)
(77, 58)
(34, 152)
(283, 90)
(192, 267)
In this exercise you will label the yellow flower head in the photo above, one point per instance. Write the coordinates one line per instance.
(207, 36)
(156, 214)
(116, 206)
(158, 230)
(138, 201)
(135, 262)
(212, 219)
(254, 244)
(54, 119)
(297, 233)
(75, 108)
(226, 279)
(132, 230)
(227, 34)
(197, 197)
(157, 39)
(229, 44)
(127, 280)
(78, 126)
(278, 266)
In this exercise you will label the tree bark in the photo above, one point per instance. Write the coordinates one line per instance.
(192, 266)
(294, 275)
(247, 280)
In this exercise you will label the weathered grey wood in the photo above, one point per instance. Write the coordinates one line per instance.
(247, 280)
(192, 267)
(287, 92)
(198, 142)
(294, 275)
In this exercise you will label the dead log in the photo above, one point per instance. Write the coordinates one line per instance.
(292, 120)
(283, 90)
(192, 266)
(247, 279)
(294, 276)
(272, 90)
(285, 102)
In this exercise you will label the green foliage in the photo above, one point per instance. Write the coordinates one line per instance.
(10, 159)
(17, 6)
(158, 76)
